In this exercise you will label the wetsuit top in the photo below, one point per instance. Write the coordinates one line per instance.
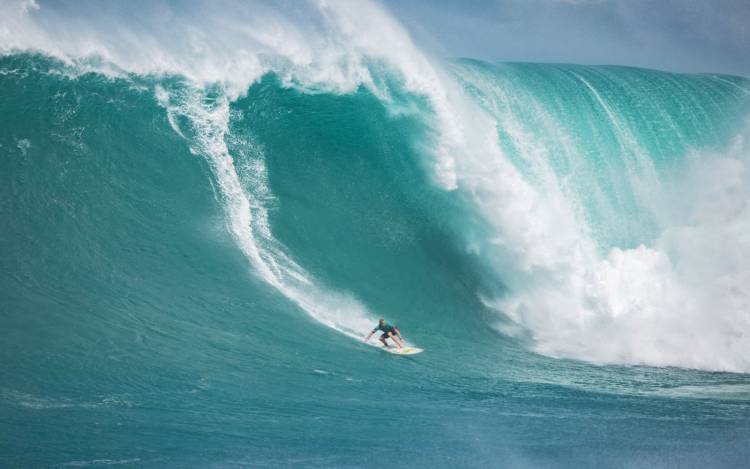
(385, 328)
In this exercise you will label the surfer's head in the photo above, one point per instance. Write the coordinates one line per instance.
(381, 321)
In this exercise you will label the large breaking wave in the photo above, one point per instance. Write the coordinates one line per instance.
(605, 209)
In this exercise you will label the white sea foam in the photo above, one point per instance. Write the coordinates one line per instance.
(684, 300)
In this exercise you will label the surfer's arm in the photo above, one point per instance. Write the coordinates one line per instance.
(369, 335)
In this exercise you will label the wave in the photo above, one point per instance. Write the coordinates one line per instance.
(599, 211)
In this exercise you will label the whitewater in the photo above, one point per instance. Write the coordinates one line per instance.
(202, 221)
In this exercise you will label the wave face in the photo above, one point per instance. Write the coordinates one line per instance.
(196, 236)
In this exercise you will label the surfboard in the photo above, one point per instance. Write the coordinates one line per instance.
(403, 350)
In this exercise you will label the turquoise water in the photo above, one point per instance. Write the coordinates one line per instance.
(185, 272)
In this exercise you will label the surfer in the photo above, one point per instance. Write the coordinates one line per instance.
(389, 332)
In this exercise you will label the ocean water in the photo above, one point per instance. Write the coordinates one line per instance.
(195, 239)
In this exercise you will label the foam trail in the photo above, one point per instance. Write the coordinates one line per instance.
(247, 218)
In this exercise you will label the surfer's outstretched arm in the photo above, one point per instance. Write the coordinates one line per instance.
(367, 337)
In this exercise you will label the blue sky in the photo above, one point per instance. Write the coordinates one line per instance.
(676, 35)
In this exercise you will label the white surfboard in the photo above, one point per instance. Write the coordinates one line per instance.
(403, 350)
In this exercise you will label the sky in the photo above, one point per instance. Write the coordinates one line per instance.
(674, 35)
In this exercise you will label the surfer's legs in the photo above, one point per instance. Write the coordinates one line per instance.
(382, 339)
(393, 338)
